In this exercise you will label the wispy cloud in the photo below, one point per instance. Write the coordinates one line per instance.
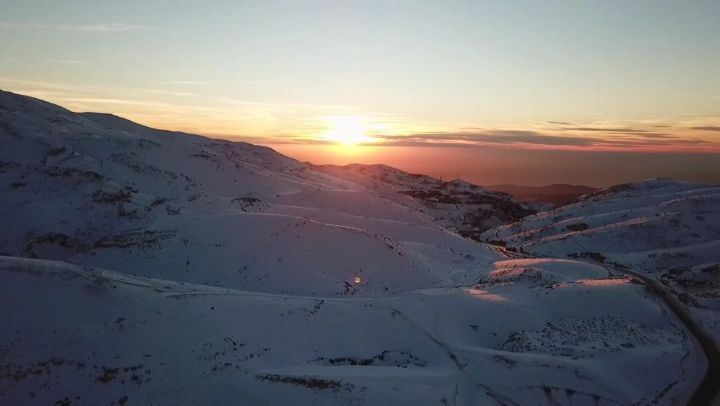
(66, 61)
(707, 128)
(605, 130)
(490, 136)
(167, 92)
(530, 139)
(637, 132)
(210, 83)
(99, 27)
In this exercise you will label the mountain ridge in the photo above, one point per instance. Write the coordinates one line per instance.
(556, 194)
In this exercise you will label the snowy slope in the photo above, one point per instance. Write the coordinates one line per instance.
(100, 190)
(551, 195)
(458, 205)
(92, 336)
(666, 229)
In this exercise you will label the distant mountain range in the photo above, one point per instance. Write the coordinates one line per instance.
(556, 194)
(142, 266)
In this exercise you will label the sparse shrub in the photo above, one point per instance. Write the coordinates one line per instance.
(577, 227)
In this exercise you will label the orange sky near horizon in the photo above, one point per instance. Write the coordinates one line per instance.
(496, 165)
(596, 153)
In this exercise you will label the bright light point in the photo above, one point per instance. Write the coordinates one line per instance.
(357, 280)
(347, 130)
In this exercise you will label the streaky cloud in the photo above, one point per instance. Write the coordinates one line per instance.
(66, 61)
(606, 130)
(100, 27)
(534, 139)
(707, 128)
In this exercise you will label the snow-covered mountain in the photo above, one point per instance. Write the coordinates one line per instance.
(99, 190)
(142, 266)
(553, 195)
(458, 205)
(666, 229)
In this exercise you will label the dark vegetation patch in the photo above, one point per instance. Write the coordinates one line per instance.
(121, 196)
(497, 242)
(56, 151)
(142, 168)
(60, 239)
(158, 201)
(202, 155)
(316, 384)
(73, 174)
(432, 196)
(7, 166)
(508, 362)
(698, 280)
(247, 202)
(594, 256)
(385, 358)
(49, 239)
(576, 227)
(148, 238)
(230, 354)
(135, 374)
(348, 288)
(19, 372)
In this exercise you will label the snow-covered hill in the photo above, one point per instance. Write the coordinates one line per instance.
(458, 205)
(99, 190)
(141, 266)
(551, 195)
(91, 336)
(666, 229)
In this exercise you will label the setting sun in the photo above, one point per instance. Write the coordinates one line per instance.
(347, 130)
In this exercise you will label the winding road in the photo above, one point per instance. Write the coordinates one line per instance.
(708, 391)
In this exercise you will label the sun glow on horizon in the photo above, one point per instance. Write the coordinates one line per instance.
(347, 130)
